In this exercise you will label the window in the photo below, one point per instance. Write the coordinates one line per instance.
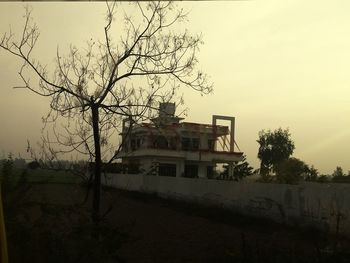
(195, 143)
(173, 143)
(185, 144)
(161, 142)
(167, 169)
(190, 144)
(191, 171)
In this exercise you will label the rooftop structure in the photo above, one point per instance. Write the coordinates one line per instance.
(169, 147)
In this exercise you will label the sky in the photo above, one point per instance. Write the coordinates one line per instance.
(273, 64)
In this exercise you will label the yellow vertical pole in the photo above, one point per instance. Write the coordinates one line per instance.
(3, 241)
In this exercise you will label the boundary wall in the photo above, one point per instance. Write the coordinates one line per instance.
(323, 206)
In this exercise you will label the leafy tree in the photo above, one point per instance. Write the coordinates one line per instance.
(293, 170)
(33, 165)
(7, 167)
(323, 178)
(290, 171)
(338, 176)
(6, 173)
(310, 173)
(240, 170)
(338, 172)
(274, 147)
(95, 87)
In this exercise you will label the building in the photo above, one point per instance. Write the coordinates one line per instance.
(167, 146)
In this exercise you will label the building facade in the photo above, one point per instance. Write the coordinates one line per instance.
(168, 146)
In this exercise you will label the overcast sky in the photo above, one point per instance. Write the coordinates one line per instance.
(273, 63)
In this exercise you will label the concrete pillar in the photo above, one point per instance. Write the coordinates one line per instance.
(202, 170)
(230, 170)
(232, 131)
(180, 168)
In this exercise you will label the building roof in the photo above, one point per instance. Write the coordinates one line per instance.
(217, 130)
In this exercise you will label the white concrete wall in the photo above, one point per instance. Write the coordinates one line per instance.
(325, 206)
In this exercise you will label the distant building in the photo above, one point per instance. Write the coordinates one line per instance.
(169, 147)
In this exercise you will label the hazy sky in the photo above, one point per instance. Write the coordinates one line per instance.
(273, 63)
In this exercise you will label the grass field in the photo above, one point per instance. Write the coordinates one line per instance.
(48, 221)
(43, 176)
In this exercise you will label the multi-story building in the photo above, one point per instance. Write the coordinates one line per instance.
(170, 147)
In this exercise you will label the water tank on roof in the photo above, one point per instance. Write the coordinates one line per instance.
(166, 109)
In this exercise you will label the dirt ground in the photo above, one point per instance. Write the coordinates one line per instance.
(50, 223)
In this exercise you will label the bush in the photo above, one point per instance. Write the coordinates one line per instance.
(290, 171)
(7, 166)
(33, 165)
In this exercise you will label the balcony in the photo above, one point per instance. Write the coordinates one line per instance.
(199, 155)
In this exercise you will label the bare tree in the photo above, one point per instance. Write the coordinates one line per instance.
(93, 88)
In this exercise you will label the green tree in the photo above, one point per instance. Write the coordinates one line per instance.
(310, 173)
(338, 176)
(6, 173)
(293, 170)
(290, 171)
(274, 147)
(338, 172)
(33, 165)
(240, 170)
(323, 178)
(7, 166)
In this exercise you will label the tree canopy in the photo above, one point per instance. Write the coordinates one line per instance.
(293, 170)
(339, 176)
(274, 147)
(241, 169)
(338, 172)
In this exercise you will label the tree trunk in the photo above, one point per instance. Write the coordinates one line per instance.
(98, 164)
(263, 170)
